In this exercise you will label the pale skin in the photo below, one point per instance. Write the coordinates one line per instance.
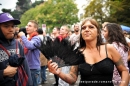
(55, 32)
(29, 29)
(89, 34)
(63, 31)
(76, 29)
(8, 31)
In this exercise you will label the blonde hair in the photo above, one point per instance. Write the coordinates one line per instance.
(66, 28)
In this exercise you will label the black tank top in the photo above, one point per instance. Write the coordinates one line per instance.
(98, 74)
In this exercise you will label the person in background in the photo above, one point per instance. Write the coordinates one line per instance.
(127, 39)
(103, 38)
(31, 52)
(74, 38)
(43, 60)
(114, 35)
(99, 60)
(103, 24)
(61, 33)
(70, 33)
(64, 30)
(23, 30)
(8, 48)
(55, 33)
(16, 32)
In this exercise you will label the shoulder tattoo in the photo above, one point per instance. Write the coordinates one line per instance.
(119, 62)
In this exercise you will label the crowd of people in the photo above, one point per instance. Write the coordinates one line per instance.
(106, 54)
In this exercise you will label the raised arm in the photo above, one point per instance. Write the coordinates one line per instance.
(119, 64)
(69, 78)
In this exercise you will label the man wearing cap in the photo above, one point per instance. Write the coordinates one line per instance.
(12, 74)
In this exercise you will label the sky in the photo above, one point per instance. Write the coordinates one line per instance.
(8, 4)
(11, 4)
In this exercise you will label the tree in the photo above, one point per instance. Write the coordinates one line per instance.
(6, 10)
(37, 3)
(121, 12)
(15, 13)
(21, 7)
(116, 11)
(31, 14)
(24, 5)
(53, 13)
(97, 9)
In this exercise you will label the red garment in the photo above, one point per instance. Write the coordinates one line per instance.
(31, 36)
(61, 37)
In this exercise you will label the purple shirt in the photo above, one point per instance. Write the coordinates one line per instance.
(33, 53)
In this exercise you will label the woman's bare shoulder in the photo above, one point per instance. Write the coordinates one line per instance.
(109, 46)
(111, 50)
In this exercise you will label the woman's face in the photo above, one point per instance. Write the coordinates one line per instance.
(89, 31)
(8, 29)
(105, 32)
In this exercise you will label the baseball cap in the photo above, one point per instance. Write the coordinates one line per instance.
(5, 17)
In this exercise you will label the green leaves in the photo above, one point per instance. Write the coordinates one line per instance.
(52, 13)
(109, 11)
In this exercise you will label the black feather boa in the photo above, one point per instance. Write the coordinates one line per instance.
(61, 52)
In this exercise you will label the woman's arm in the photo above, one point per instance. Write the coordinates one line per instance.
(129, 61)
(129, 55)
(120, 65)
(69, 78)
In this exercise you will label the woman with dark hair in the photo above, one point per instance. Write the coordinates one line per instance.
(114, 35)
(99, 60)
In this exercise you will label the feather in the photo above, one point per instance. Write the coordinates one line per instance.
(61, 52)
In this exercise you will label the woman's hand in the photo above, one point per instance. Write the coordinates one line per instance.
(69, 78)
(53, 67)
